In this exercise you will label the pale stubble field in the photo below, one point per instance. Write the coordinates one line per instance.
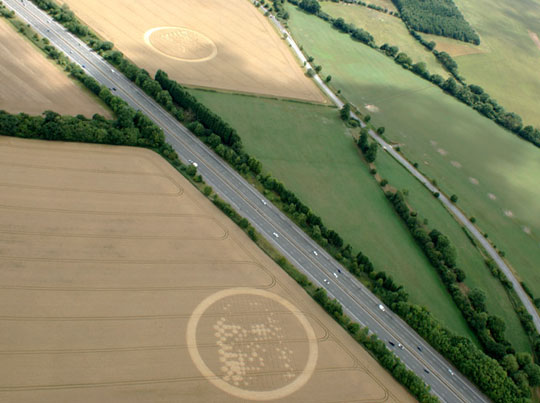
(121, 282)
(223, 44)
(32, 84)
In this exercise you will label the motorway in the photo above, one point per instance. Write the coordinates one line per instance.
(457, 213)
(358, 302)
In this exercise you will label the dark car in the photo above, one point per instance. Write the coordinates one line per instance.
(426, 371)
(419, 348)
(391, 343)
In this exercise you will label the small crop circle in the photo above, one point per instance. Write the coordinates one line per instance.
(181, 44)
(252, 344)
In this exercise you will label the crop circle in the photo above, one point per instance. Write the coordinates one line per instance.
(257, 345)
(181, 44)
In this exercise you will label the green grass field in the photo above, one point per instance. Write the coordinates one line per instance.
(510, 67)
(308, 148)
(469, 258)
(494, 173)
(385, 29)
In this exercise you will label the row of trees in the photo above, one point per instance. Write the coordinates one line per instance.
(356, 33)
(438, 17)
(489, 329)
(488, 376)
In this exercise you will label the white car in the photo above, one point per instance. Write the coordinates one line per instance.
(315, 253)
(263, 202)
(275, 234)
(400, 346)
(451, 372)
(326, 281)
(335, 275)
(381, 307)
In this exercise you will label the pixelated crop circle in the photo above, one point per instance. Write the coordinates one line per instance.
(181, 44)
(252, 344)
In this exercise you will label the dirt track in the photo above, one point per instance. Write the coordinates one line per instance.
(30, 83)
(122, 283)
(224, 44)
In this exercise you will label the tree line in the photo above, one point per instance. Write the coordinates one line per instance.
(489, 329)
(486, 373)
(438, 17)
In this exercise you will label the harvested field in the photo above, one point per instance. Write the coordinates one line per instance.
(225, 44)
(122, 283)
(454, 47)
(30, 83)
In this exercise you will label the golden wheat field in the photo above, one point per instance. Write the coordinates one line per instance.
(223, 44)
(122, 283)
(32, 84)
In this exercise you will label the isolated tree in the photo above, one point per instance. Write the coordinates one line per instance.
(363, 140)
(371, 152)
(311, 6)
(328, 78)
(453, 198)
(345, 112)
(478, 299)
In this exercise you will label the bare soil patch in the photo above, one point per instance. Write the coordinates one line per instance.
(455, 164)
(122, 283)
(224, 44)
(372, 108)
(534, 38)
(32, 84)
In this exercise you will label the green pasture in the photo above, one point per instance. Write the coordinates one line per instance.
(469, 258)
(509, 68)
(385, 29)
(493, 172)
(309, 149)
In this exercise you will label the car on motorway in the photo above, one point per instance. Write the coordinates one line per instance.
(451, 372)
(391, 343)
(275, 234)
(315, 253)
(325, 280)
(400, 346)
(192, 162)
(339, 270)
(83, 66)
(264, 202)
(335, 274)
(419, 348)
(426, 370)
(381, 307)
